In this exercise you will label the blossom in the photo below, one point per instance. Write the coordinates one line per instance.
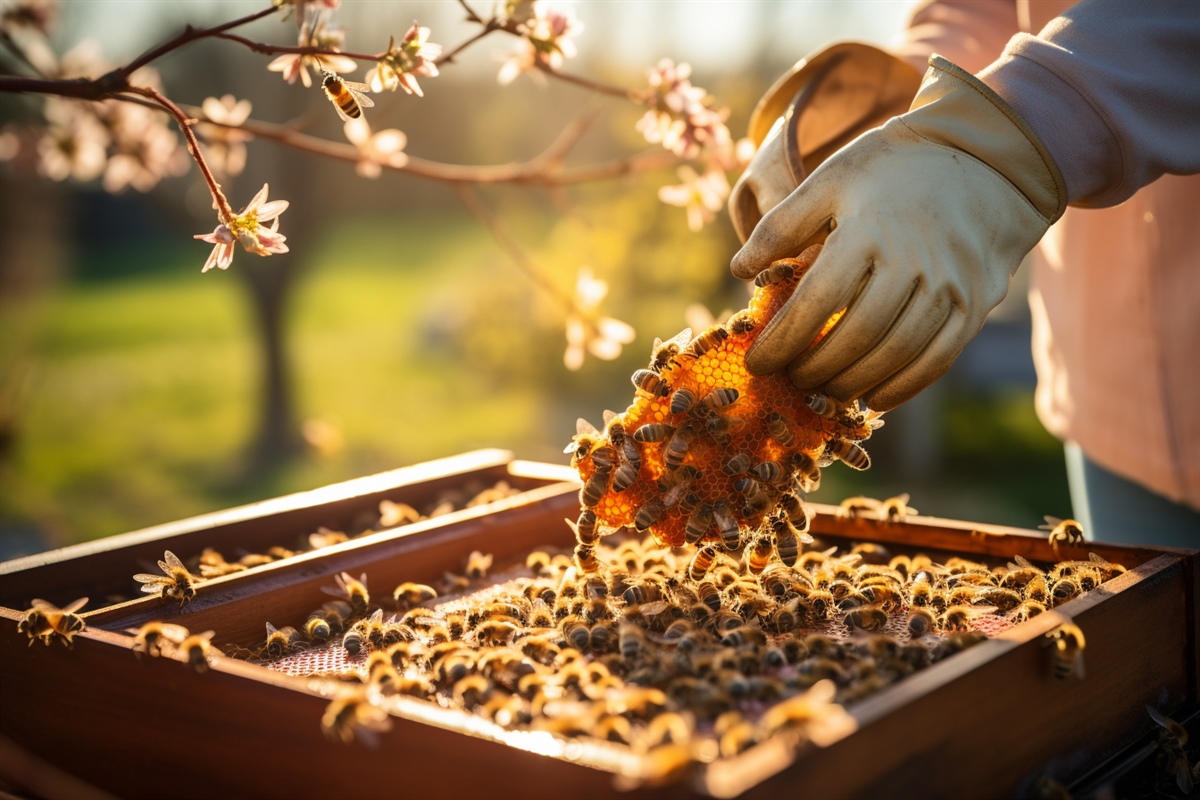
(546, 41)
(384, 148)
(401, 66)
(75, 144)
(226, 145)
(702, 195)
(682, 117)
(145, 149)
(314, 34)
(247, 228)
(603, 337)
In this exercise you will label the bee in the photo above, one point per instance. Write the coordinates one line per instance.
(577, 632)
(478, 564)
(787, 543)
(45, 621)
(353, 591)
(317, 627)
(595, 487)
(701, 562)
(775, 580)
(1002, 599)
(625, 476)
(351, 717)
(869, 618)
(648, 514)
(920, 622)
(408, 594)
(1019, 574)
(1064, 589)
(663, 352)
(897, 509)
(957, 618)
(324, 537)
(1106, 569)
(744, 636)
(742, 323)
(653, 432)
(706, 341)
(677, 446)
(1038, 589)
(175, 582)
(648, 381)
(585, 558)
(281, 641)
(758, 553)
(783, 618)
(1063, 531)
(821, 405)
(886, 597)
(197, 650)
(709, 595)
(720, 398)
(849, 453)
(151, 636)
(347, 96)
(820, 603)
(1068, 651)
(677, 484)
(682, 401)
(1172, 758)
(727, 526)
(778, 271)
(631, 640)
(624, 444)
(779, 429)
(858, 508)
(1028, 609)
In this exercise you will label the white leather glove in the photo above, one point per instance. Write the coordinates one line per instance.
(924, 221)
(816, 107)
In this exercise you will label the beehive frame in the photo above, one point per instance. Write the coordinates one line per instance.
(139, 726)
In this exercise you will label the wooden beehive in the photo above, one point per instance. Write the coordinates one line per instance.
(985, 722)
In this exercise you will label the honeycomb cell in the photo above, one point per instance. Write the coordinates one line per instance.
(728, 413)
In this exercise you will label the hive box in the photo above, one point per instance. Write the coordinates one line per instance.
(986, 722)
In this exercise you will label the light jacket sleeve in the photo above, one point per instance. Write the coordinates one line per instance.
(1113, 91)
(968, 32)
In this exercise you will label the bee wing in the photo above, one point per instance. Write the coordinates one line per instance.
(901, 499)
(362, 99)
(152, 581)
(981, 611)
(174, 633)
(75, 606)
(1051, 523)
(354, 85)
(608, 416)
(1022, 562)
(270, 630)
(345, 117)
(583, 426)
(42, 605)
(681, 339)
(173, 562)
(334, 591)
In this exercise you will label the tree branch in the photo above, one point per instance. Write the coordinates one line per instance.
(188, 36)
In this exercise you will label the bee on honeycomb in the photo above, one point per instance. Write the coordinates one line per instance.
(708, 452)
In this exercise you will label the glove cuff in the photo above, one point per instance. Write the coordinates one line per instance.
(956, 109)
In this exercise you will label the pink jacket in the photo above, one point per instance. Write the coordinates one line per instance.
(1113, 91)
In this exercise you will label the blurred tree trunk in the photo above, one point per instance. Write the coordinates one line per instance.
(277, 438)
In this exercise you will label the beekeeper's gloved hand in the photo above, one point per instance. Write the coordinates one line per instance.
(924, 220)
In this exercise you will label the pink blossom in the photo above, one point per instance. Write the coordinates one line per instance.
(401, 66)
(702, 195)
(547, 38)
(682, 117)
(247, 229)
(226, 149)
(384, 148)
(603, 337)
(314, 34)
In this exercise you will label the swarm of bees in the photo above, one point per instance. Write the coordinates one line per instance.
(178, 582)
(707, 452)
(675, 656)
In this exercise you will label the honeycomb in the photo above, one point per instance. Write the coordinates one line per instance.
(706, 446)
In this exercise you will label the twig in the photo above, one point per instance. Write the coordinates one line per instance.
(636, 96)
(188, 36)
(490, 26)
(515, 251)
(303, 50)
(542, 170)
(20, 53)
(225, 211)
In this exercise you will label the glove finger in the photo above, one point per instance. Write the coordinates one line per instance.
(876, 310)
(828, 287)
(802, 219)
(931, 364)
(909, 334)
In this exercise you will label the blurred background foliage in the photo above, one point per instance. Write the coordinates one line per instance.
(129, 382)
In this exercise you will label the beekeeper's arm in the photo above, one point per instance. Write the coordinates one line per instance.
(925, 218)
